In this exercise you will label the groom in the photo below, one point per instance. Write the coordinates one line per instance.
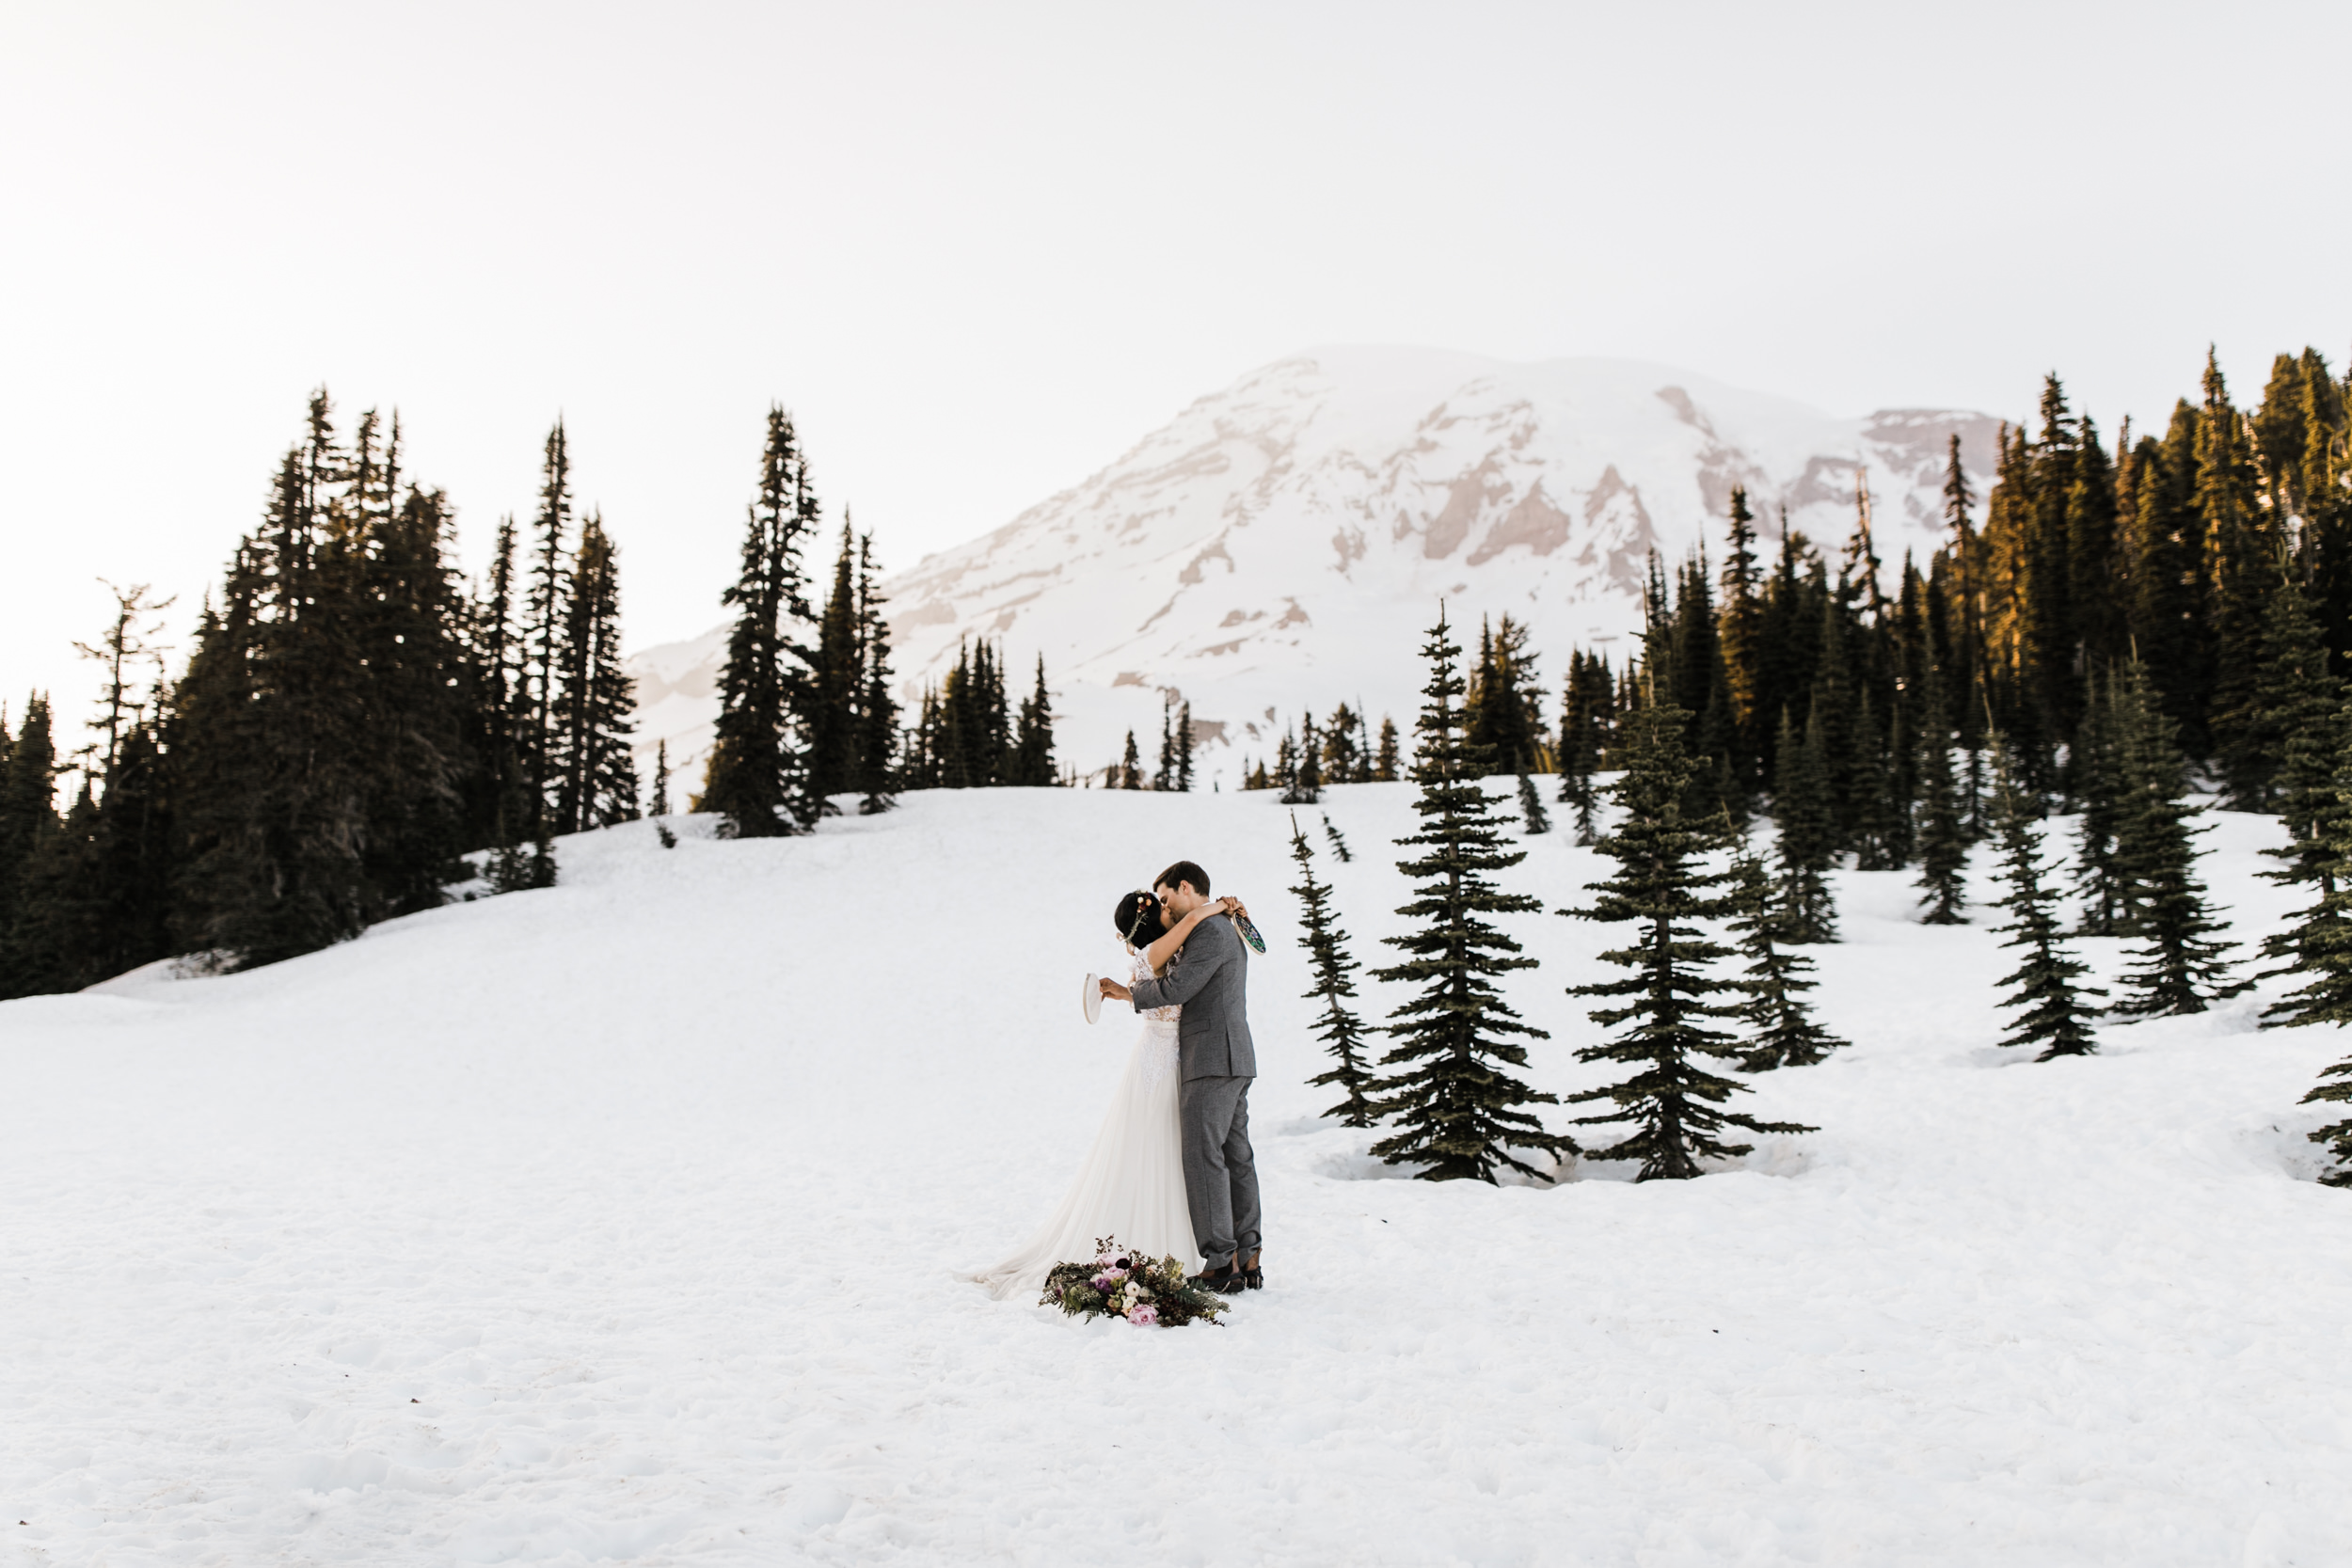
(1217, 1061)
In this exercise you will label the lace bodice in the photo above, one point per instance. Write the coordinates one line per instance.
(1140, 971)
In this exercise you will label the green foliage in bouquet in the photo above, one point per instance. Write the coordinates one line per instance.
(1143, 1290)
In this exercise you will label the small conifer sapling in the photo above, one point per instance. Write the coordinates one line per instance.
(1341, 1030)
(2044, 990)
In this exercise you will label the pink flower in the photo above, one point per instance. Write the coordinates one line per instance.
(1143, 1315)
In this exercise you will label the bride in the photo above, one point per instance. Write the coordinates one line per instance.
(1132, 1185)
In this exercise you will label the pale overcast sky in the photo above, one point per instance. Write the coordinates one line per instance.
(979, 249)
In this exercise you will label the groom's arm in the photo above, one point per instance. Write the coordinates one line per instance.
(1211, 946)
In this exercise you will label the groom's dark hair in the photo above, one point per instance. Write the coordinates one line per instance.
(1184, 871)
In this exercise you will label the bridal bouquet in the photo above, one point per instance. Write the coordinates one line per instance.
(1143, 1290)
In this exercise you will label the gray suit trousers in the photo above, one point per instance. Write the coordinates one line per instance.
(1220, 1168)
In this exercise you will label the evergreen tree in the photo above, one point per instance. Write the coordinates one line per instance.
(1502, 704)
(123, 651)
(1741, 638)
(836, 681)
(2183, 967)
(1131, 766)
(2335, 1087)
(597, 699)
(755, 765)
(1307, 775)
(1342, 754)
(1339, 843)
(2299, 724)
(1943, 838)
(275, 729)
(1663, 887)
(543, 618)
(1165, 778)
(1878, 835)
(1531, 807)
(1459, 1109)
(2318, 948)
(661, 811)
(877, 774)
(1033, 741)
(2241, 555)
(57, 926)
(2100, 794)
(1183, 747)
(1801, 810)
(29, 811)
(1342, 1031)
(2044, 986)
(500, 804)
(1781, 1031)
(1385, 765)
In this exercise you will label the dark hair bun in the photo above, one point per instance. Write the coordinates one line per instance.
(1137, 918)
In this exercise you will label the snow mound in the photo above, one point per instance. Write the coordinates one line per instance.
(615, 1222)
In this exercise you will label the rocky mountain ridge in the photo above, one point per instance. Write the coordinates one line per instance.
(1284, 543)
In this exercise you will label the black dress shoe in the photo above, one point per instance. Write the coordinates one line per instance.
(1226, 1281)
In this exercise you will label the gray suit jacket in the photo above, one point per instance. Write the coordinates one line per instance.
(1210, 979)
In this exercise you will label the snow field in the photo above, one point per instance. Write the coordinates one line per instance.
(615, 1224)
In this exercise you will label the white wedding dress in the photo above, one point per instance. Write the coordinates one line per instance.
(1132, 1185)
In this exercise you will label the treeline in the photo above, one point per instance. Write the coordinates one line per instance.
(803, 720)
(2119, 625)
(2167, 548)
(359, 732)
(351, 721)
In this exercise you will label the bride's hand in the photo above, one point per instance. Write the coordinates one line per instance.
(1114, 991)
(1234, 906)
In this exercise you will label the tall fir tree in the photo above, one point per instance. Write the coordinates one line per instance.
(543, 619)
(273, 726)
(1343, 1033)
(1741, 638)
(836, 681)
(28, 812)
(1384, 763)
(1459, 1112)
(2316, 950)
(1342, 748)
(2182, 968)
(757, 766)
(1183, 747)
(1943, 840)
(1781, 1028)
(2100, 796)
(596, 774)
(1662, 886)
(1033, 742)
(1307, 776)
(877, 771)
(2044, 990)
(1801, 809)
(1131, 765)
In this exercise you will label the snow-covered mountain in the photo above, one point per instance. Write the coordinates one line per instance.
(1283, 542)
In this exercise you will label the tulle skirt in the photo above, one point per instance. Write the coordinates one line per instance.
(1132, 1185)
